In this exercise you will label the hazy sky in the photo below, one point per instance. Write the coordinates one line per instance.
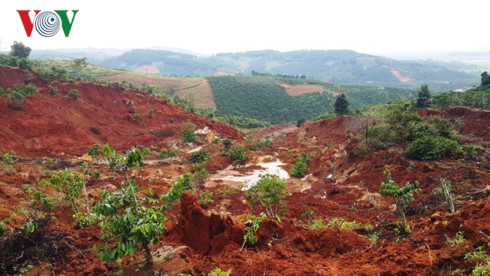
(212, 26)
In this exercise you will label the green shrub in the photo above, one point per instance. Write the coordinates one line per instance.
(237, 154)
(73, 93)
(402, 196)
(95, 151)
(130, 217)
(299, 168)
(20, 91)
(151, 111)
(187, 134)
(53, 90)
(432, 148)
(137, 116)
(199, 174)
(219, 272)
(252, 226)
(38, 198)
(10, 159)
(199, 157)
(270, 192)
(164, 154)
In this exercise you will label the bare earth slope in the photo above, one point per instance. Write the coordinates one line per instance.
(51, 124)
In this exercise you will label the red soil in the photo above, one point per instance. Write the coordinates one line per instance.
(51, 125)
(210, 236)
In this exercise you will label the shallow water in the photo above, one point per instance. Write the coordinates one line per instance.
(250, 178)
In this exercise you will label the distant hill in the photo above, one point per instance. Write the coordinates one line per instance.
(335, 66)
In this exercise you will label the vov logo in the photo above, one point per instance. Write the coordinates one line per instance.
(47, 23)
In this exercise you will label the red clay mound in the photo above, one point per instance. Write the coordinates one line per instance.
(333, 131)
(49, 125)
(206, 234)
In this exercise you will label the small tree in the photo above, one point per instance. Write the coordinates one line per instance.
(485, 79)
(95, 151)
(10, 159)
(187, 134)
(424, 97)
(269, 191)
(252, 226)
(132, 217)
(237, 154)
(402, 196)
(199, 156)
(18, 49)
(341, 105)
(78, 64)
(299, 168)
(73, 93)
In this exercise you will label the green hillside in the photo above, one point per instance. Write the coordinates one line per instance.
(262, 98)
(335, 66)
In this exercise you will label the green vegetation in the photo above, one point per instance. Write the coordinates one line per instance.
(432, 148)
(270, 192)
(263, 99)
(402, 196)
(18, 49)
(428, 138)
(242, 121)
(336, 66)
(95, 151)
(238, 155)
(70, 184)
(39, 199)
(53, 90)
(73, 93)
(478, 97)
(252, 226)
(482, 267)
(9, 159)
(299, 168)
(423, 97)
(164, 154)
(17, 93)
(187, 134)
(130, 216)
(199, 157)
(218, 272)
(206, 198)
(458, 239)
(137, 116)
(341, 105)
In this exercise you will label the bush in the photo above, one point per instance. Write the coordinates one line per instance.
(218, 272)
(95, 151)
(53, 90)
(237, 154)
(402, 196)
(137, 116)
(73, 93)
(269, 191)
(299, 168)
(187, 134)
(199, 157)
(432, 148)
(20, 91)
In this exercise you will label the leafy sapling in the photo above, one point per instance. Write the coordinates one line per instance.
(402, 196)
(252, 226)
(270, 192)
